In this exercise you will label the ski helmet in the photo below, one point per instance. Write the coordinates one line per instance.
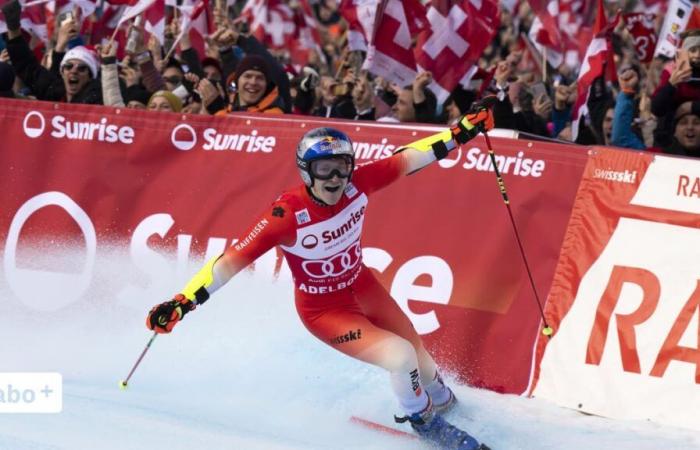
(323, 143)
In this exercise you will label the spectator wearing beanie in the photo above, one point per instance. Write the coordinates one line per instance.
(165, 101)
(136, 97)
(686, 130)
(231, 44)
(251, 90)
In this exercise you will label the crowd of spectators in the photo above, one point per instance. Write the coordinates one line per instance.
(652, 106)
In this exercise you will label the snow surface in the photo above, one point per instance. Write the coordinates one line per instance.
(241, 372)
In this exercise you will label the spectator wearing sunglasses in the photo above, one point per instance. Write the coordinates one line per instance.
(79, 69)
(173, 75)
(76, 79)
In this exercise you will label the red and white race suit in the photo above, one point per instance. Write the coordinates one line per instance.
(338, 298)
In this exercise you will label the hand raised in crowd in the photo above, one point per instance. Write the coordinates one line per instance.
(423, 79)
(192, 78)
(220, 16)
(156, 50)
(175, 30)
(190, 81)
(349, 76)
(207, 91)
(504, 71)
(225, 38)
(130, 75)
(107, 50)
(311, 79)
(543, 106)
(564, 95)
(66, 31)
(629, 80)
(362, 94)
(682, 70)
(419, 84)
(514, 58)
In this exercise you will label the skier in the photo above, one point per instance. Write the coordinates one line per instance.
(318, 227)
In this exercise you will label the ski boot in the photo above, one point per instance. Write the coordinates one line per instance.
(438, 431)
(445, 407)
(439, 392)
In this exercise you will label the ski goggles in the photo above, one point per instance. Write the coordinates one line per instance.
(325, 169)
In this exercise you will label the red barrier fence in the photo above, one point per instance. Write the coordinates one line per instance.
(158, 184)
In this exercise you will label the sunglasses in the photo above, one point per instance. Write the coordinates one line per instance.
(172, 80)
(82, 68)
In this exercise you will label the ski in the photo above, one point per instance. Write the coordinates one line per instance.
(382, 428)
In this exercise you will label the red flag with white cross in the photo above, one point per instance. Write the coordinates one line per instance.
(390, 54)
(459, 32)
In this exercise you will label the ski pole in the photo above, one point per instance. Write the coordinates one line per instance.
(547, 330)
(123, 383)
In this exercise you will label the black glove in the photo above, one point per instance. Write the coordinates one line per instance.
(482, 104)
(12, 10)
(162, 318)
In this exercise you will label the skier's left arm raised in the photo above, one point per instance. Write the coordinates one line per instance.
(419, 154)
(274, 227)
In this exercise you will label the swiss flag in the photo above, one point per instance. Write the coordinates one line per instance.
(360, 15)
(546, 11)
(135, 9)
(459, 32)
(196, 20)
(390, 54)
(594, 63)
(33, 19)
(564, 28)
(104, 27)
(280, 26)
(154, 20)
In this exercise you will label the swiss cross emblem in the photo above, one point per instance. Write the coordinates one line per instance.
(444, 32)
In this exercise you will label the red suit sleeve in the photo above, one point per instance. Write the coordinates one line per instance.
(276, 226)
(379, 174)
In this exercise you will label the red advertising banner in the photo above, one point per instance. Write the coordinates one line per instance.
(625, 300)
(169, 189)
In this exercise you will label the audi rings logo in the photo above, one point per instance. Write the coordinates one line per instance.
(34, 124)
(310, 241)
(335, 265)
(183, 137)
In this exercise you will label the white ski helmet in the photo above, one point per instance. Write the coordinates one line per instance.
(322, 143)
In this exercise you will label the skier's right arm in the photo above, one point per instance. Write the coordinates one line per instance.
(276, 226)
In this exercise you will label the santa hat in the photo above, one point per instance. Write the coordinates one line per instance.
(85, 55)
